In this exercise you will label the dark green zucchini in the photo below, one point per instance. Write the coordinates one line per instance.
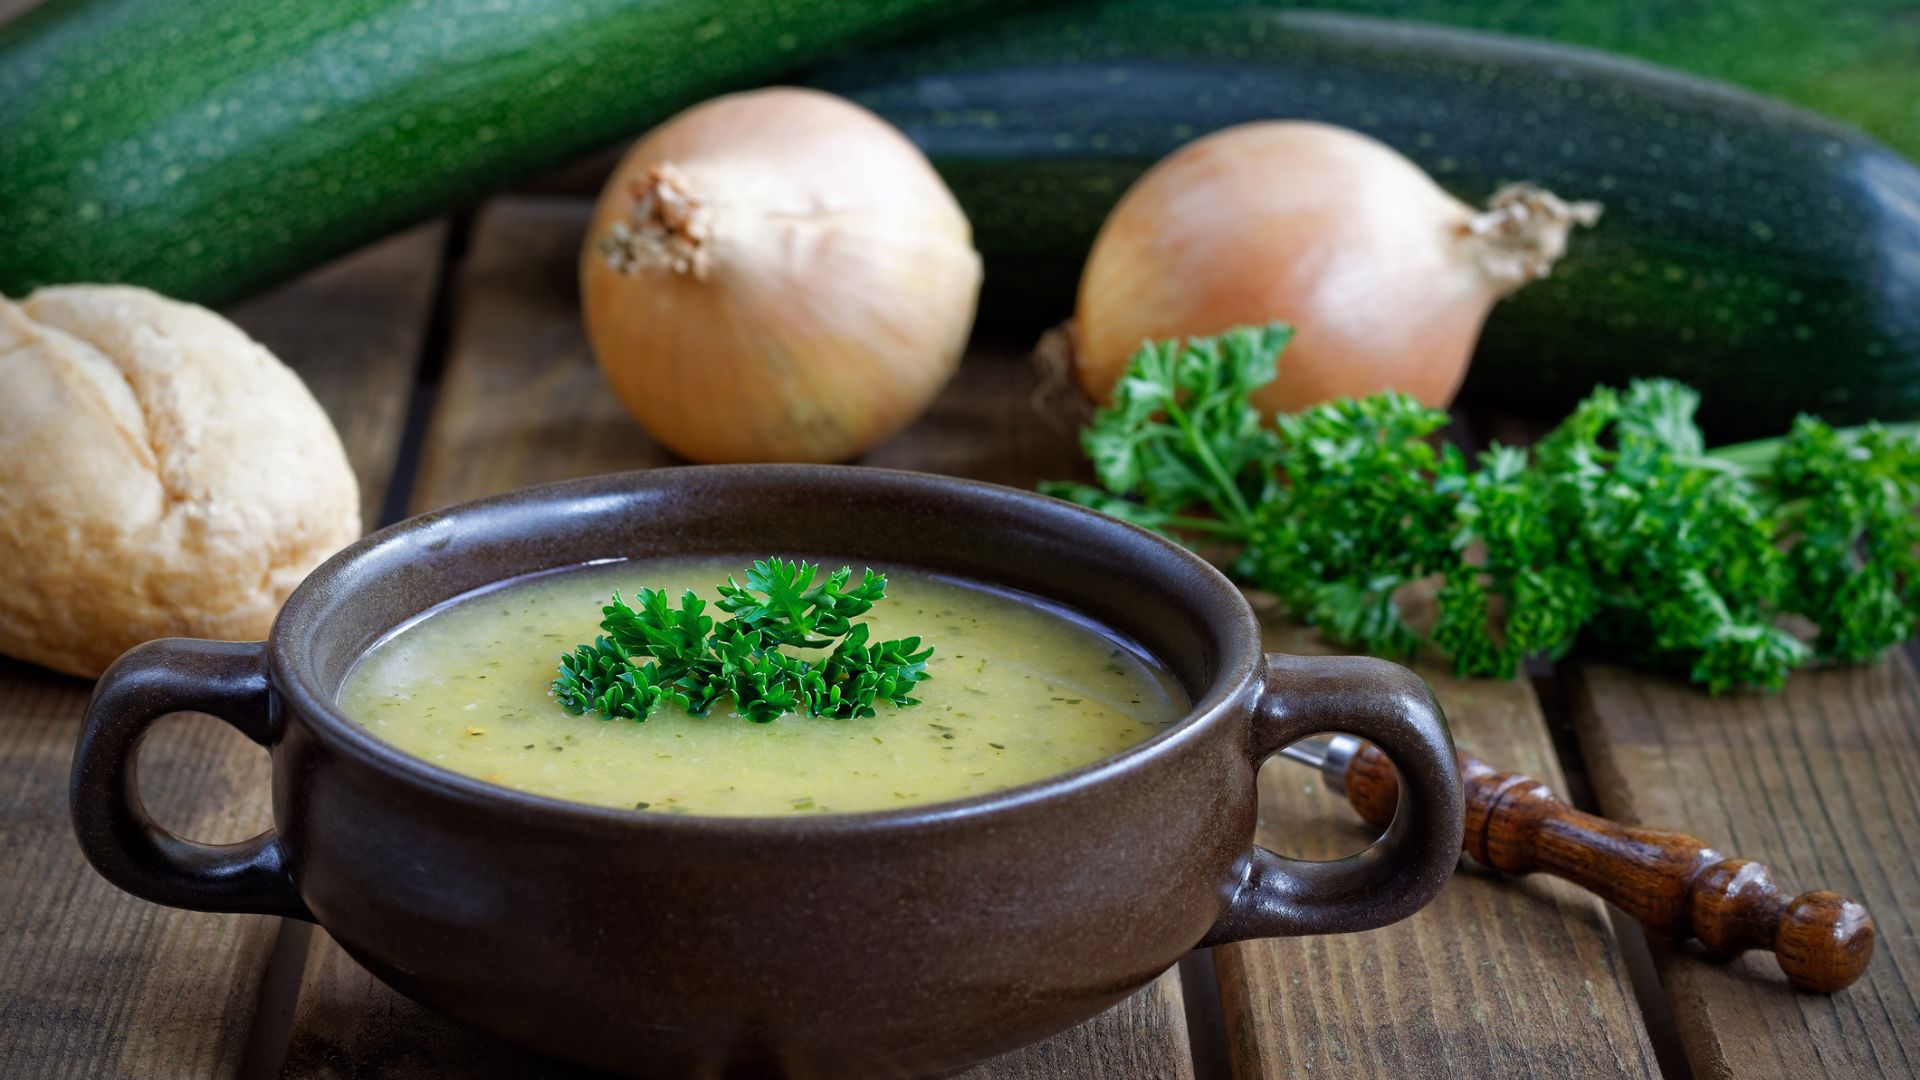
(1854, 60)
(1766, 256)
(205, 148)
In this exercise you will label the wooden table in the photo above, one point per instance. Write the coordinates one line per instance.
(452, 360)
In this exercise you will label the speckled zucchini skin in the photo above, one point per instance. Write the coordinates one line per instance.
(1767, 256)
(206, 148)
(1854, 60)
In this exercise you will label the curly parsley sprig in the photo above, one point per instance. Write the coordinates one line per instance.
(1619, 528)
(654, 654)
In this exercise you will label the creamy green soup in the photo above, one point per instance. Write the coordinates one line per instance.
(1018, 691)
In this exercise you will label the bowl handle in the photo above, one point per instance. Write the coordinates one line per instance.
(1392, 708)
(119, 837)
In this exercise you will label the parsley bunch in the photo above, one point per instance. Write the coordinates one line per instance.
(1619, 529)
(692, 661)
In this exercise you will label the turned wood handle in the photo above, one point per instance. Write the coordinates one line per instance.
(1669, 881)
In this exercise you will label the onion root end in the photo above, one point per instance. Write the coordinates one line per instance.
(669, 228)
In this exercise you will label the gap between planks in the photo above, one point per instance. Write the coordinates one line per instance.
(1499, 976)
(417, 329)
(1821, 783)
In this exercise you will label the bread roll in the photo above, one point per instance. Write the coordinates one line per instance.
(161, 474)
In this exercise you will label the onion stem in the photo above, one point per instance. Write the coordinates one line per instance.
(1523, 232)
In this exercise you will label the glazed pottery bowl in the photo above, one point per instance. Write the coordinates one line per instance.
(899, 942)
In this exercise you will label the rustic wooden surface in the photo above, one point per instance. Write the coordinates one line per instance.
(94, 983)
(1501, 977)
(1498, 977)
(1821, 783)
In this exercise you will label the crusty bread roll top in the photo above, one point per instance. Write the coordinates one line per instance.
(161, 474)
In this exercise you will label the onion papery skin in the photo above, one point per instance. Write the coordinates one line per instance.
(833, 299)
(1372, 263)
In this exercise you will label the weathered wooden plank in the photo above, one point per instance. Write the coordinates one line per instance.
(1820, 782)
(988, 425)
(1498, 977)
(1144, 1036)
(354, 331)
(522, 402)
(94, 983)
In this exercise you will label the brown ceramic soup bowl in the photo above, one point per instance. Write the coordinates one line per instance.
(898, 942)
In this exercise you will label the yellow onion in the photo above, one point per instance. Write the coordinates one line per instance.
(777, 276)
(1385, 277)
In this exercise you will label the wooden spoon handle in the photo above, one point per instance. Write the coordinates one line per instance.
(1669, 881)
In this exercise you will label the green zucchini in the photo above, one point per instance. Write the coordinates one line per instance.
(1767, 256)
(1854, 60)
(206, 148)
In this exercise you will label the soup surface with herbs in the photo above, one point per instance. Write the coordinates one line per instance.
(1017, 691)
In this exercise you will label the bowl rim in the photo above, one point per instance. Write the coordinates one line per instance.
(294, 679)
